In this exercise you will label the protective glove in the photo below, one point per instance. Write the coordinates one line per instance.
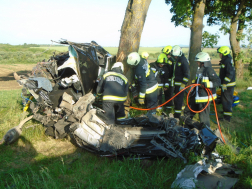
(223, 87)
(141, 100)
(182, 86)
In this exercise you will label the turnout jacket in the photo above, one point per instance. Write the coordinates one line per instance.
(207, 75)
(145, 78)
(171, 67)
(114, 86)
(227, 71)
(181, 72)
(161, 73)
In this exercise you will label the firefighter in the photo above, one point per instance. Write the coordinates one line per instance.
(145, 55)
(207, 77)
(227, 77)
(170, 89)
(145, 79)
(114, 86)
(161, 72)
(180, 77)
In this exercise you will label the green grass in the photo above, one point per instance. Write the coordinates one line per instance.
(38, 161)
(23, 54)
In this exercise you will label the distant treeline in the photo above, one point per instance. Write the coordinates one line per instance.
(23, 54)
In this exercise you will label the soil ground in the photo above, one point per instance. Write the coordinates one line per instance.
(8, 82)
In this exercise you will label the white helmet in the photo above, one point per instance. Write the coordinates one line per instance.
(133, 59)
(176, 50)
(202, 57)
(118, 65)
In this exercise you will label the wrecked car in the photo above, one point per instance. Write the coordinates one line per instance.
(61, 95)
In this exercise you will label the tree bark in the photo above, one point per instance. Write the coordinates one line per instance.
(235, 41)
(131, 32)
(196, 36)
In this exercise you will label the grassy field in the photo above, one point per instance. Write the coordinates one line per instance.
(38, 161)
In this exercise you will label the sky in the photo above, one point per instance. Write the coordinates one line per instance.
(40, 21)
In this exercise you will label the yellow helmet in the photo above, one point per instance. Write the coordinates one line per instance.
(225, 50)
(145, 55)
(162, 58)
(167, 49)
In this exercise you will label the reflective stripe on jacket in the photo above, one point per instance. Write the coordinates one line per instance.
(227, 71)
(145, 78)
(114, 87)
(206, 75)
(182, 71)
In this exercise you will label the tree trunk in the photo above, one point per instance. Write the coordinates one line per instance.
(131, 32)
(235, 41)
(196, 37)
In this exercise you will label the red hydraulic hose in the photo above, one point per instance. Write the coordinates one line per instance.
(192, 85)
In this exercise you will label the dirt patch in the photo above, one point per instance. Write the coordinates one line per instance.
(7, 81)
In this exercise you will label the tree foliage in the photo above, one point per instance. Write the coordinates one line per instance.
(190, 13)
(233, 16)
(209, 40)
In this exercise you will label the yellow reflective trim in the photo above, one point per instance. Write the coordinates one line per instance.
(152, 89)
(119, 118)
(141, 95)
(236, 101)
(227, 113)
(178, 83)
(169, 62)
(205, 99)
(178, 111)
(116, 98)
(231, 84)
(148, 71)
(227, 79)
(185, 79)
(116, 74)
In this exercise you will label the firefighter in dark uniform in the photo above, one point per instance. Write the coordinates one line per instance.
(171, 67)
(207, 77)
(145, 79)
(114, 88)
(180, 78)
(227, 77)
(161, 72)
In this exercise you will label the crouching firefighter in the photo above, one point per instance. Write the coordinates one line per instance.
(227, 76)
(207, 77)
(114, 88)
(162, 74)
(145, 80)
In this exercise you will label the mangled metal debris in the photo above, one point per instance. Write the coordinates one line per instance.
(207, 175)
(66, 105)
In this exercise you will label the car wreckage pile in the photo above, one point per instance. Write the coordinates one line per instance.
(64, 101)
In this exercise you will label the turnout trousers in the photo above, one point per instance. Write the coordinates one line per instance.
(168, 95)
(204, 116)
(160, 97)
(227, 101)
(178, 102)
(113, 110)
(152, 100)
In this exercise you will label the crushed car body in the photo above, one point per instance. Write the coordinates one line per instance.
(65, 103)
